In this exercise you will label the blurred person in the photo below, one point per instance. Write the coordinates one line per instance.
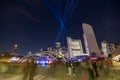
(69, 70)
(84, 72)
(33, 67)
(84, 76)
(95, 68)
(73, 66)
(106, 66)
(100, 65)
(90, 69)
(26, 68)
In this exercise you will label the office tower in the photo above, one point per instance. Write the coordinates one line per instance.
(91, 45)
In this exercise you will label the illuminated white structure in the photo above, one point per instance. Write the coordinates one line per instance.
(108, 48)
(74, 47)
(89, 39)
(104, 46)
(58, 45)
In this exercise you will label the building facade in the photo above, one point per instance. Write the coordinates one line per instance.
(90, 41)
(74, 47)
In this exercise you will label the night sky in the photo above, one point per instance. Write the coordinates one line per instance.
(31, 24)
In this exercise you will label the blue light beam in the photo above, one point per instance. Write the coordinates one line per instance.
(55, 8)
(67, 12)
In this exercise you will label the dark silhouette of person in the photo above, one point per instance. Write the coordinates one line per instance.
(73, 66)
(26, 67)
(33, 67)
(68, 65)
(90, 69)
(95, 67)
(29, 69)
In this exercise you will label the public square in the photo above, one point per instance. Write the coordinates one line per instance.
(55, 72)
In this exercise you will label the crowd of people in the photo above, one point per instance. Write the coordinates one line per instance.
(91, 69)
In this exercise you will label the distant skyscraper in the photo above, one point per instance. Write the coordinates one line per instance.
(89, 39)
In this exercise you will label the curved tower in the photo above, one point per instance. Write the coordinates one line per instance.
(90, 39)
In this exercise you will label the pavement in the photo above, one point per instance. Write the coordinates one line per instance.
(59, 73)
(19, 77)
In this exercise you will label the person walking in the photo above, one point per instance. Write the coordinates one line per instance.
(84, 72)
(69, 69)
(33, 67)
(26, 68)
(90, 69)
(95, 68)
